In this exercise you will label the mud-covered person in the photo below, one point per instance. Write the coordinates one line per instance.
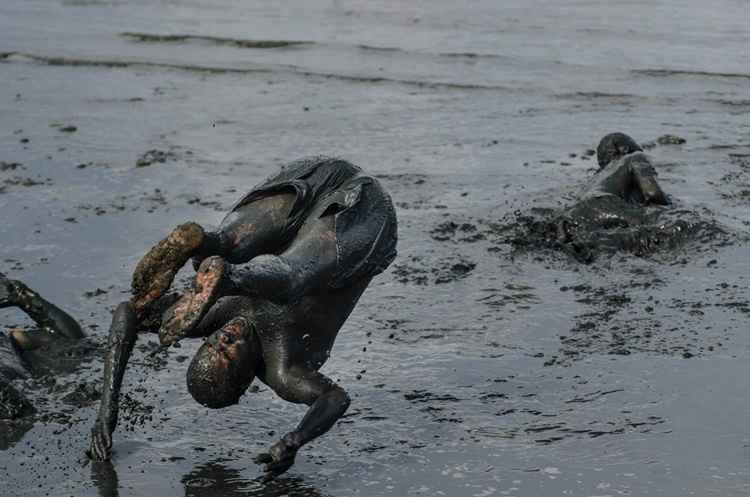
(274, 285)
(20, 349)
(611, 211)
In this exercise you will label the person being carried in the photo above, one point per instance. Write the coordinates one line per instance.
(18, 348)
(274, 285)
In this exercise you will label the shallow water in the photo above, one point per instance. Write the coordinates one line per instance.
(486, 371)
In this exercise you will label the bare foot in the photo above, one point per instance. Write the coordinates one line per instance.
(186, 313)
(154, 273)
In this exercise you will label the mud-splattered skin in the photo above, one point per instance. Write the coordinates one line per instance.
(611, 210)
(55, 326)
(270, 298)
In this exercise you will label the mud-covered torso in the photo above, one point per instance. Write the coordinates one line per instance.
(303, 332)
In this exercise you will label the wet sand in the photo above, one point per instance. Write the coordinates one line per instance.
(475, 368)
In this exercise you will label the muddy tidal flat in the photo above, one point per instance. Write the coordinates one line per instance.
(477, 366)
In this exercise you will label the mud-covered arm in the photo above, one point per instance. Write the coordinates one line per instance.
(14, 293)
(122, 336)
(644, 176)
(327, 401)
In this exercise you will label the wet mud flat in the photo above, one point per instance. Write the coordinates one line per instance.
(476, 366)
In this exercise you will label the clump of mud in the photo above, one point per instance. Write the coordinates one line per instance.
(666, 232)
(417, 271)
(154, 156)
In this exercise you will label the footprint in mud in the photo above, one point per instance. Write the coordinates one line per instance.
(419, 271)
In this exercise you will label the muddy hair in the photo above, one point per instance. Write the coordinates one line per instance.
(613, 146)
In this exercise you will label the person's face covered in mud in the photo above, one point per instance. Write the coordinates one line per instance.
(224, 366)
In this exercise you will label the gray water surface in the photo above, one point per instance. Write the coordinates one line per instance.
(474, 370)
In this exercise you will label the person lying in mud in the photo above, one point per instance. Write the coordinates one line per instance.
(611, 212)
(274, 285)
(18, 348)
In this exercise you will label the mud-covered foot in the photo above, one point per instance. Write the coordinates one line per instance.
(186, 313)
(154, 273)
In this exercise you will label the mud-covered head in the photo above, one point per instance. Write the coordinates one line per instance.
(613, 146)
(225, 365)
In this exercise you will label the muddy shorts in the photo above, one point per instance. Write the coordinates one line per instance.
(365, 219)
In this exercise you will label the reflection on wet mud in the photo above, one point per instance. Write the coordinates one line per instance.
(214, 479)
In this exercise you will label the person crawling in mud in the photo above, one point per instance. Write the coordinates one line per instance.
(274, 285)
(611, 211)
(19, 348)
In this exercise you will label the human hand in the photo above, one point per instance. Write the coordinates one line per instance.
(278, 459)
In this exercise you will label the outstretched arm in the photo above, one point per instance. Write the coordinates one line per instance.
(327, 401)
(122, 336)
(14, 293)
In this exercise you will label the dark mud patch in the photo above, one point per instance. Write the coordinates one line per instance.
(664, 140)
(734, 185)
(619, 319)
(465, 232)
(214, 40)
(517, 296)
(667, 73)
(418, 270)
(26, 182)
(10, 166)
(63, 128)
(155, 156)
(668, 234)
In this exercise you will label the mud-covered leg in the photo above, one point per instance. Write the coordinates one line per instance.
(122, 336)
(327, 401)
